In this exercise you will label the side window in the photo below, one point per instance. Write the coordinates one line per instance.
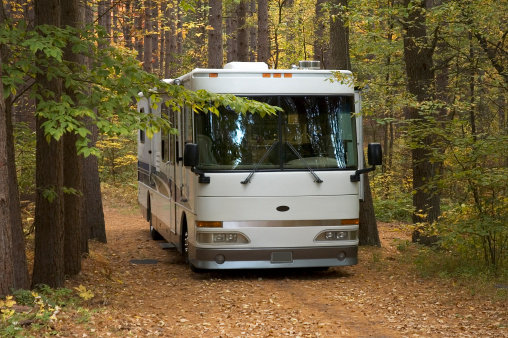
(187, 125)
(172, 138)
(142, 132)
(165, 143)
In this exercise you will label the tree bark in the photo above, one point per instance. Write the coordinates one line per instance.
(263, 44)
(93, 218)
(11, 216)
(215, 49)
(339, 59)
(339, 36)
(147, 41)
(72, 15)
(242, 37)
(368, 234)
(171, 65)
(49, 230)
(252, 33)
(319, 31)
(138, 23)
(127, 27)
(154, 24)
(94, 226)
(418, 55)
(7, 279)
(231, 32)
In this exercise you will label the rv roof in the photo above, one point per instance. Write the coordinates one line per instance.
(246, 65)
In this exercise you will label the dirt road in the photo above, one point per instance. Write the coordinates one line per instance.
(380, 297)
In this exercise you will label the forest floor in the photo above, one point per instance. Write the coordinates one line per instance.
(382, 296)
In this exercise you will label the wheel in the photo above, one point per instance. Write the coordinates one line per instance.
(154, 233)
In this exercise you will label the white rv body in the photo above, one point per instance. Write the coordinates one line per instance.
(282, 217)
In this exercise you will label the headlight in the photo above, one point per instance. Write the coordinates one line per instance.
(337, 235)
(221, 238)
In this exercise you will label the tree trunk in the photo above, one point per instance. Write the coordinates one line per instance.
(154, 12)
(138, 23)
(420, 77)
(263, 45)
(339, 59)
(368, 234)
(114, 20)
(179, 35)
(10, 210)
(231, 31)
(49, 231)
(252, 33)
(94, 226)
(215, 49)
(242, 37)
(147, 41)
(72, 15)
(7, 279)
(319, 31)
(127, 27)
(339, 36)
(162, 39)
(171, 67)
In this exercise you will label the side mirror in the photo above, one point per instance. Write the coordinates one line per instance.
(375, 157)
(191, 159)
(375, 154)
(191, 155)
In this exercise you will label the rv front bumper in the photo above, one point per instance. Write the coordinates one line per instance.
(266, 258)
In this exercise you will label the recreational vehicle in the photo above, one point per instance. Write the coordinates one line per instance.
(241, 191)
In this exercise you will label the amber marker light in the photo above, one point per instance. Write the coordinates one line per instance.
(353, 221)
(266, 74)
(213, 75)
(288, 75)
(209, 224)
(278, 75)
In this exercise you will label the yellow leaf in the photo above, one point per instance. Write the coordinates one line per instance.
(9, 302)
(84, 293)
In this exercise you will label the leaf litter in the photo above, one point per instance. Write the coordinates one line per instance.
(379, 297)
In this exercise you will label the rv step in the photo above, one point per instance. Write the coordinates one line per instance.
(167, 246)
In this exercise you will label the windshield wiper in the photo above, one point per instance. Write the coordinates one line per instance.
(247, 180)
(317, 179)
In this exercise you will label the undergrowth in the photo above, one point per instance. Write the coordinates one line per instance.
(440, 263)
(42, 311)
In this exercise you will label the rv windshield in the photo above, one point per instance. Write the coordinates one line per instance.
(321, 129)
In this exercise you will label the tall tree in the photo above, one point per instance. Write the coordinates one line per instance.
(94, 226)
(339, 36)
(73, 15)
(49, 229)
(252, 32)
(215, 49)
(10, 213)
(138, 25)
(418, 56)
(242, 36)
(6, 260)
(263, 43)
(154, 16)
(340, 59)
(319, 29)
(171, 63)
(147, 41)
(231, 33)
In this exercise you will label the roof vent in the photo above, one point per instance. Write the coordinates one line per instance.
(310, 65)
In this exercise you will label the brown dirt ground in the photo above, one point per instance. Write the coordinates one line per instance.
(380, 297)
